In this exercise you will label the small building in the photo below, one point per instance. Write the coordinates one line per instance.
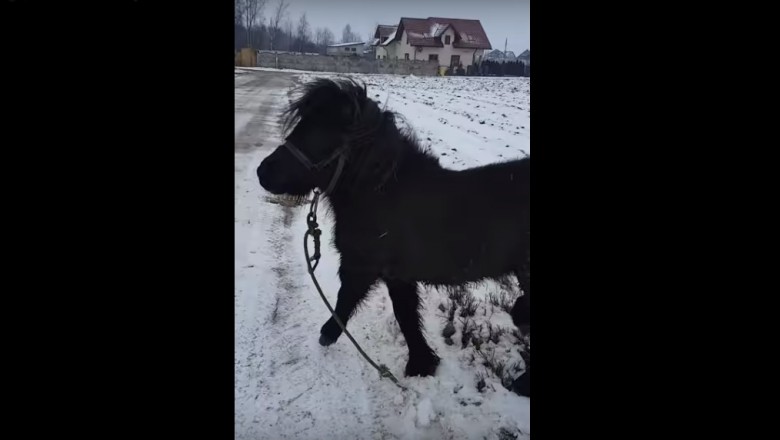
(382, 33)
(525, 57)
(500, 57)
(354, 49)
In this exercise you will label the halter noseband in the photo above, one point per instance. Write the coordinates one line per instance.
(304, 160)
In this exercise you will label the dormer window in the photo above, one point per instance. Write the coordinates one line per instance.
(446, 39)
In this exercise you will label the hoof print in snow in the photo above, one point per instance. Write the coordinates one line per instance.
(482, 122)
(425, 414)
(448, 331)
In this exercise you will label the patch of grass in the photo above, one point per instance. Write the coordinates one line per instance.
(275, 313)
(476, 337)
(467, 331)
(494, 333)
(506, 434)
(497, 366)
(480, 382)
(508, 283)
(456, 294)
(503, 299)
(468, 305)
(451, 311)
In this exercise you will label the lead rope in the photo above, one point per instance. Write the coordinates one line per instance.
(314, 231)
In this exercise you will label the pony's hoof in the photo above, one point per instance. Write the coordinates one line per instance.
(422, 367)
(329, 333)
(325, 341)
(522, 385)
(521, 313)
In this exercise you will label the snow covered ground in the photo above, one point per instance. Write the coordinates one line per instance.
(287, 385)
(467, 121)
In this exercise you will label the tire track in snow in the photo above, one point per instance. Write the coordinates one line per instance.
(287, 386)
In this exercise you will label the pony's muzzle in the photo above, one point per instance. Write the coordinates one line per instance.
(264, 169)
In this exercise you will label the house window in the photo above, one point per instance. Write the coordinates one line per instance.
(379, 57)
(455, 60)
(406, 56)
(346, 49)
(446, 39)
(433, 57)
(384, 57)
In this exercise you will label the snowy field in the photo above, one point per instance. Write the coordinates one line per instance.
(287, 385)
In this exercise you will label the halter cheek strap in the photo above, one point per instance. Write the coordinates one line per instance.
(304, 160)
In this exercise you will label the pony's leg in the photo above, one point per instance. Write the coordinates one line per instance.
(521, 316)
(521, 311)
(522, 384)
(354, 289)
(406, 306)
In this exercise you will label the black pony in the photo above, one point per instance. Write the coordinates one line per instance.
(400, 217)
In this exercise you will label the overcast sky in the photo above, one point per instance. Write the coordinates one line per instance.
(501, 19)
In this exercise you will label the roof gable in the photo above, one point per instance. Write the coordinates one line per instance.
(469, 34)
(384, 30)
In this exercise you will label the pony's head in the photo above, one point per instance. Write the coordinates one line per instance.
(323, 127)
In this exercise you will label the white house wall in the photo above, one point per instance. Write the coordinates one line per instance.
(398, 49)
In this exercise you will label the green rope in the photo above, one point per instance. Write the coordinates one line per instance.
(314, 232)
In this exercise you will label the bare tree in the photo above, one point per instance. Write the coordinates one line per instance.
(238, 14)
(288, 27)
(251, 12)
(319, 36)
(303, 32)
(327, 37)
(275, 21)
(346, 35)
(372, 32)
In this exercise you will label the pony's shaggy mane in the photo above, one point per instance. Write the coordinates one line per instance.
(377, 143)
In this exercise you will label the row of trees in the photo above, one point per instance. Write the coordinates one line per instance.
(279, 32)
(513, 68)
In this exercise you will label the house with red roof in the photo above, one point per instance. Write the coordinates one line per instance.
(450, 41)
